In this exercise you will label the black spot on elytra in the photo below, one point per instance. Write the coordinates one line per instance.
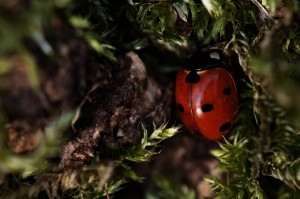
(227, 91)
(192, 77)
(180, 108)
(225, 126)
(207, 107)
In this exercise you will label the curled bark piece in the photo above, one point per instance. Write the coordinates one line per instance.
(112, 114)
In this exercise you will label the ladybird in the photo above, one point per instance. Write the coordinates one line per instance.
(206, 95)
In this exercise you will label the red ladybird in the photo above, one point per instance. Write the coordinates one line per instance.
(206, 96)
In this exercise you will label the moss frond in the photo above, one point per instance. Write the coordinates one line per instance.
(146, 148)
(165, 188)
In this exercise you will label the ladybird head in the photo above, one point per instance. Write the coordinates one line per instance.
(204, 60)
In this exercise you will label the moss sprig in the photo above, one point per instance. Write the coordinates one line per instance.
(146, 148)
(165, 188)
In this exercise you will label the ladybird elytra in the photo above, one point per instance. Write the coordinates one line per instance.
(206, 97)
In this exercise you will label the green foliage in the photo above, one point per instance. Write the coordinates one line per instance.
(240, 190)
(272, 5)
(34, 162)
(5, 65)
(113, 186)
(232, 153)
(84, 28)
(92, 182)
(181, 9)
(104, 49)
(212, 20)
(268, 135)
(165, 189)
(145, 149)
(286, 171)
(102, 26)
(25, 23)
(82, 23)
(229, 18)
(158, 19)
(263, 147)
(234, 160)
(279, 143)
(137, 153)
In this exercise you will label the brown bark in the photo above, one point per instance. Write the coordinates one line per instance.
(115, 99)
(113, 113)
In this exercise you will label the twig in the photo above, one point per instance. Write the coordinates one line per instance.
(265, 19)
(107, 194)
(264, 15)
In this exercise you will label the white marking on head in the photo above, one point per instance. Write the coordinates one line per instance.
(215, 55)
